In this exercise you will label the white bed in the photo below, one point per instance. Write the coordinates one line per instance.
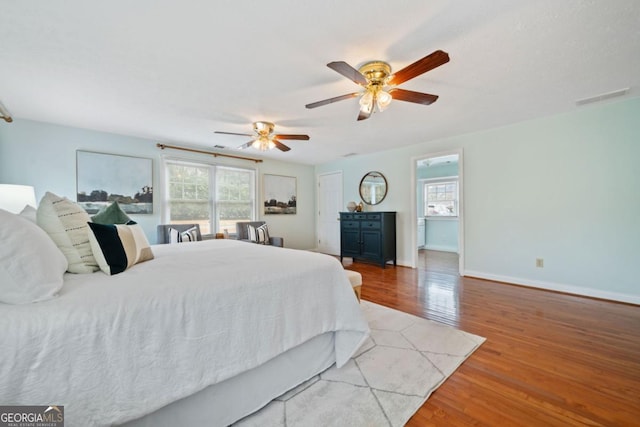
(213, 329)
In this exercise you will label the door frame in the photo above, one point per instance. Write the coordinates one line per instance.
(317, 214)
(414, 202)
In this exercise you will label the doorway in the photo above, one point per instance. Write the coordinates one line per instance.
(437, 205)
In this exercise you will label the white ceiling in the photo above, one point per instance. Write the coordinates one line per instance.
(175, 71)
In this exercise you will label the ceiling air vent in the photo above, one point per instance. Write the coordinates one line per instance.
(602, 96)
(219, 147)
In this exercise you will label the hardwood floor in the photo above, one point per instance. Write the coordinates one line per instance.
(550, 359)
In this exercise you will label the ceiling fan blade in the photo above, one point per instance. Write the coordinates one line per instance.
(364, 115)
(233, 133)
(292, 136)
(247, 145)
(411, 96)
(280, 146)
(349, 72)
(421, 66)
(332, 100)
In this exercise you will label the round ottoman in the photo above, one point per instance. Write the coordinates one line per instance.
(355, 279)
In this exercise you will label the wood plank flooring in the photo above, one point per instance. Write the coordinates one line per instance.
(550, 359)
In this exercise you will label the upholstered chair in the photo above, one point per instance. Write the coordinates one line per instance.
(242, 230)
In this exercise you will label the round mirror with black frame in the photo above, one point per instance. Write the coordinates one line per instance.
(373, 188)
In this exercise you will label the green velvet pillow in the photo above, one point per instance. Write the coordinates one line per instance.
(111, 214)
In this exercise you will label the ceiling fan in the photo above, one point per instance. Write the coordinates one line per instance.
(379, 83)
(264, 139)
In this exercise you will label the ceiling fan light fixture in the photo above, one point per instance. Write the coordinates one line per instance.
(263, 143)
(375, 96)
(378, 82)
(383, 99)
(264, 139)
(366, 101)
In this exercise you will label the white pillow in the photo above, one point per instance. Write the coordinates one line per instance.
(174, 236)
(29, 212)
(31, 265)
(66, 223)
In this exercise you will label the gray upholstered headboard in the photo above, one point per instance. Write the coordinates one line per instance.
(163, 231)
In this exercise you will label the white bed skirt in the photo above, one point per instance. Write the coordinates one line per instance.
(226, 402)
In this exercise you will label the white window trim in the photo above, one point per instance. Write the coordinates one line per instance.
(442, 179)
(164, 215)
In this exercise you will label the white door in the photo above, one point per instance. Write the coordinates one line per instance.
(329, 206)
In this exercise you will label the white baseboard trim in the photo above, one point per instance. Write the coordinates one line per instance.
(317, 249)
(402, 263)
(558, 287)
(441, 248)
(399, 262)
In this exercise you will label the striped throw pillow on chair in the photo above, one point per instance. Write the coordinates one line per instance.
(259, 234)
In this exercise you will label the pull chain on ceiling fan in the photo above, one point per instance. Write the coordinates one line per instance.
(379, 83)
(264, 139)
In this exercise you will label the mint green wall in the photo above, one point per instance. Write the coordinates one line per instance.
(441, 233)
(44, 155)
(562, 188)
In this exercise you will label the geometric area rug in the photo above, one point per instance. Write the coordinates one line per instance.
(405, 359)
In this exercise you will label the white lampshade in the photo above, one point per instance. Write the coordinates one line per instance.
(14, 198)
(383, 99)
(366, 102)
(263, 143)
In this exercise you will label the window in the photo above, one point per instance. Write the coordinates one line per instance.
(441, 198)
(215, 197)
(235, 197)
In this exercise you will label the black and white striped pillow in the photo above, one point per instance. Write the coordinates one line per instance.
(259, 234)
(189, 235)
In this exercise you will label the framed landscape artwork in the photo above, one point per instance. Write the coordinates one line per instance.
(105, 178)
(279, 194)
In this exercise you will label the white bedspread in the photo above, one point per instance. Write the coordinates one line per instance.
(113, 348)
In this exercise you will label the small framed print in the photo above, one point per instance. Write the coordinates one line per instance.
(279, 194)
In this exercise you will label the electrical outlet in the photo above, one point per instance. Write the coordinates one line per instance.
(539, 262)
